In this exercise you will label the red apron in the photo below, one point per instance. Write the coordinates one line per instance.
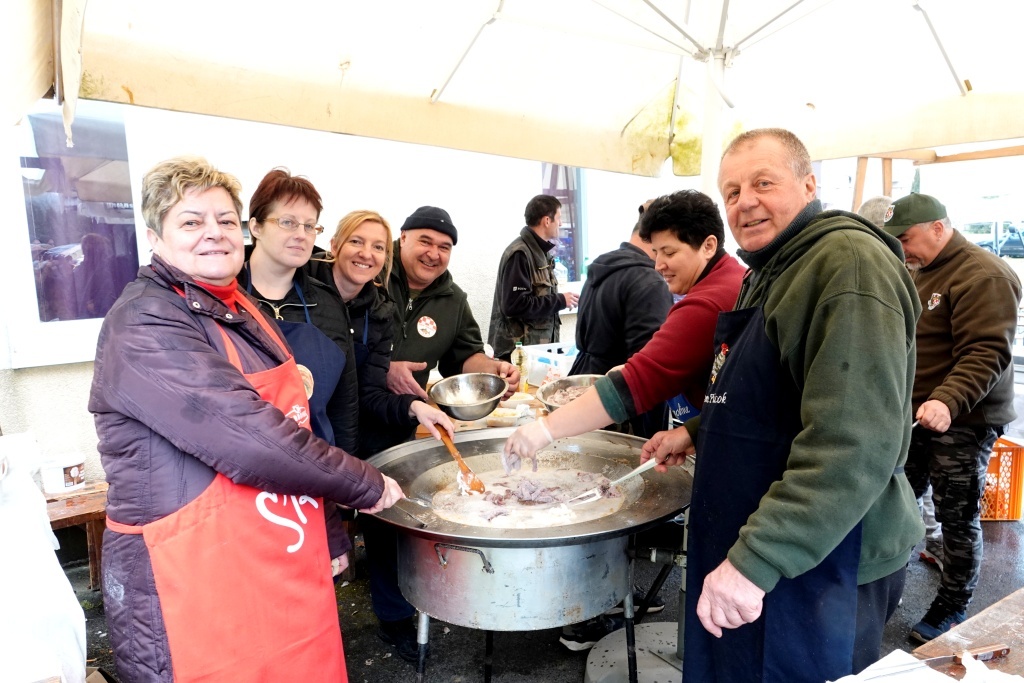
(244, 576)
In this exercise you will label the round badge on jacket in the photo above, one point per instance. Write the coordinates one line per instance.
(426, 326)
(307, 379)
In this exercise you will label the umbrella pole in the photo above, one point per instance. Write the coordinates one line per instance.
(711, 140)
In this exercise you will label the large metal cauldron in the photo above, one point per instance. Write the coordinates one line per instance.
(521, 579)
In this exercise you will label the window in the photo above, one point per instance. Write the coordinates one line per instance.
(78, 204)
(563, 182)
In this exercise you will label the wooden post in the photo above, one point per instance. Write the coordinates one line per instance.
(858, 187)
(887, 177)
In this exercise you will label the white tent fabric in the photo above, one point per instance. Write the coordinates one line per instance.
(589, 83)
(26, 56)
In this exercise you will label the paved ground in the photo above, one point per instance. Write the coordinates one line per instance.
(520, 657)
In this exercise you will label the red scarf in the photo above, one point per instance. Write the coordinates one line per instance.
(225, 293)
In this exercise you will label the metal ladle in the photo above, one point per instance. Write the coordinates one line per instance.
(419, 521)
(598, 493)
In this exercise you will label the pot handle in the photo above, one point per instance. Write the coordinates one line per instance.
(444, 561)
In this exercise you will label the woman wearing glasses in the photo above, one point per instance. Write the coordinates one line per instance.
(283, 221)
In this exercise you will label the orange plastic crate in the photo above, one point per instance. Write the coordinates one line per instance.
(1004, 483)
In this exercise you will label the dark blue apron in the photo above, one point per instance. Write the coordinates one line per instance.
(750, 417)
(318, 353)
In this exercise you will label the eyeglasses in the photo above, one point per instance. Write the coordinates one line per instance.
(289, 225)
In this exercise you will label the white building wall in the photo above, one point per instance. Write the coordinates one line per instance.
(612, 200)
(485, 196)
(50, 402)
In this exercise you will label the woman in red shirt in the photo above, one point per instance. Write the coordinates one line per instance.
(686, 232)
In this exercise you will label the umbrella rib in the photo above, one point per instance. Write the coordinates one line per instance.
(654, 33)
(767, 23)
(561, 28)
(682, 31)
(723, 19)
(942, 49)
(436, 95)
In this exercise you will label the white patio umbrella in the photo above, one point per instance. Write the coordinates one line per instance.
(608, 84)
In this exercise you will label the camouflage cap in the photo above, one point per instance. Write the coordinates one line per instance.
(910, 210)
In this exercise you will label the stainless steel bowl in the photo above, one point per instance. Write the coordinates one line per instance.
(468, 397)
(572, 381)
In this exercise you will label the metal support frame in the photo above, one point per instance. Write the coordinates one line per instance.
(436, 95)
(422, 636)
(627, 611)
(942, 49)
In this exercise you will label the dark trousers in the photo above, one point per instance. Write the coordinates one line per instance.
(955, 462)
(382, 561)
(876, 602)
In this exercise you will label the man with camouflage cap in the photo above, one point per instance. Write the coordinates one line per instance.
(963, 387)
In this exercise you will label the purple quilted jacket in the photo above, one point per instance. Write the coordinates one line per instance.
(171, 412)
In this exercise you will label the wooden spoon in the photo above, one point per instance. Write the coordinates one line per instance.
(471, 480)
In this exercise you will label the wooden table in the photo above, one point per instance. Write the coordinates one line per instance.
(1002, 622)
(85, 507)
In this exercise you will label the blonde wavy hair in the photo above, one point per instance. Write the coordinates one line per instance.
(165, 185)
(348, 225)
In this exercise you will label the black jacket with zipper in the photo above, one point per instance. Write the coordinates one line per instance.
(455, 334)
(372, 313)
(623, 303)
(435, 326)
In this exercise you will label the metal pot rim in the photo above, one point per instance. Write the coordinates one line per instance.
(663, 496)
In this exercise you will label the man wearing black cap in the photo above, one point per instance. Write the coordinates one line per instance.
(526, 297)
(963, 387)
(434, 323)
(433, 326)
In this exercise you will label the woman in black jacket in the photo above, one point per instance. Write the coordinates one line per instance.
(359, 268)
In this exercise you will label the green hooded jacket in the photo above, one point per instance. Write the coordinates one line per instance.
(841, 309)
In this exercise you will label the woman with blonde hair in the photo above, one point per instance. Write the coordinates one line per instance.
(359, 268)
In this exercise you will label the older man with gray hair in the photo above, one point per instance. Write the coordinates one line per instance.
(874, 209)
(801, 519)
(963, 387)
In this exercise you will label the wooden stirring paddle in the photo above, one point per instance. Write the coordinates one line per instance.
(471, 480)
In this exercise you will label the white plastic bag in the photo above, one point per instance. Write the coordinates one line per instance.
(42, 633)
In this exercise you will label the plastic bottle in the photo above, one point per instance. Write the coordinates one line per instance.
(521, 360)
(586, 267)
(561, 272)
